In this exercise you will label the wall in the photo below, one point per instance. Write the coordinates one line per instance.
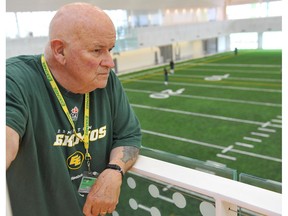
(222, 44)
(139, 58)
(162, 35)
(189, 49)
(184, 49)
(145, 57)
(23, 46)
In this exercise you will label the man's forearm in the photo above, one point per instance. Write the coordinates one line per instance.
(124, 156)
(104, 194)
(12, 145)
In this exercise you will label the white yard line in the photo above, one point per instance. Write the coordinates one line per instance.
(211, 98)
(232, 100)
(260, 134)
(234, 65)
(211, 86)
(252, 139)
(255, 79)
(277, 120)
(234, 71)
(275, 125)
(198, 114)
(244, 145)
(211, 145)
(231, 78)
(257, 155)
(267, 130)
(183, 139)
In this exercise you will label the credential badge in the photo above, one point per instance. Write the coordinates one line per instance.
(74, 113)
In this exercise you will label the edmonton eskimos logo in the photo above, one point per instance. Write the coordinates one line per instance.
(75, 160)
(74, 113)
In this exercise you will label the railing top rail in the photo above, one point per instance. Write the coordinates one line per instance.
(243, 195)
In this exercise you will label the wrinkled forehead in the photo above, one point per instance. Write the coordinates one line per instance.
(95, 28)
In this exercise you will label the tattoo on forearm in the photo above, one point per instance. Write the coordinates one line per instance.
(129, 153)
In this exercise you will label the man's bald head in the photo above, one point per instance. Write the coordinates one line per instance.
(81, 37)
(72, 21)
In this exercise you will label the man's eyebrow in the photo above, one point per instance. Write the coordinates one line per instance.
(101, 46)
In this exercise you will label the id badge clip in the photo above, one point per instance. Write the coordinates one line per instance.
(87, 181)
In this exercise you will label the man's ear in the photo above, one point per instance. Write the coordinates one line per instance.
(57, 47)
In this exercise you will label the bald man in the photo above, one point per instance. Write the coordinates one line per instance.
(70, 132)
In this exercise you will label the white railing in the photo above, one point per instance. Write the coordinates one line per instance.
(228, 194)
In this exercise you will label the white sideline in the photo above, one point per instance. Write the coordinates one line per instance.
(227, 193)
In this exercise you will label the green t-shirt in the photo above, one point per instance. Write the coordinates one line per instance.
(45, 176)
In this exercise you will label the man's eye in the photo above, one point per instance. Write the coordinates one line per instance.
(97, 50)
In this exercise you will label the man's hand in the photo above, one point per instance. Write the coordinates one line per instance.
(104, 194)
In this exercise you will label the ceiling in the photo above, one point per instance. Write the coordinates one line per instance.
(52, 5)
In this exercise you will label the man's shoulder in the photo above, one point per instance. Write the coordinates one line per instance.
(113, 80)
(24, 71)
(22, 65)
(21, 59)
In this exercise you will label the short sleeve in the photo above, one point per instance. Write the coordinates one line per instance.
(16, 110)
(127, 129)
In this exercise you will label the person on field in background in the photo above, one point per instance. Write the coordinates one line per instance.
(165, 76)
(71, 133)
(171, 66)
(235, 51)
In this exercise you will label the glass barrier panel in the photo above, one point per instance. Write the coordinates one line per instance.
(208, 167)
(142, 197)
(260, 182)
(245, 212)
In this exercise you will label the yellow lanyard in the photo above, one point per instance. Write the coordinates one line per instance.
(66, 111)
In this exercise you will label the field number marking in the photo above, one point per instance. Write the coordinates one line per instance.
(217, 77)
(166, 93)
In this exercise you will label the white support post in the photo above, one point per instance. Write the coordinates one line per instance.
(225, 209)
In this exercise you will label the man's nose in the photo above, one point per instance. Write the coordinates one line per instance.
(107, 60)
